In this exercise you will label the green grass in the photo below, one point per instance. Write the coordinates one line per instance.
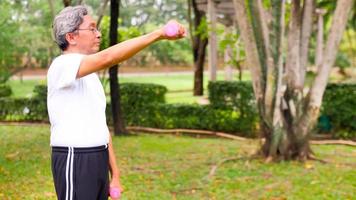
(24, 88)
(177, 167)
(180, 86)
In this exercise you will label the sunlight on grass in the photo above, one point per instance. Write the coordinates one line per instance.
(177, 167)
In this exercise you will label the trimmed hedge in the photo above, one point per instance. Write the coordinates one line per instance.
(137, 100)
(338, 112)
(232, 108)
(189, 116)
(141, 94)
(234, 95)
(25, 109)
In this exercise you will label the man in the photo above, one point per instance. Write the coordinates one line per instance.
(82, 151)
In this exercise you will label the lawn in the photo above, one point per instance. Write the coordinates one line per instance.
(177, 167)
(180, 86)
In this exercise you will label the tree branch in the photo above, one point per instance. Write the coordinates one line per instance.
(337, 28)
(306, 29)
(101, 11)
(251, 49)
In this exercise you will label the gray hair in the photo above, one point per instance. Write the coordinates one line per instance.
(67, 21)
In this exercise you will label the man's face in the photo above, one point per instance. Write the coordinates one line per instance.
(88, 37)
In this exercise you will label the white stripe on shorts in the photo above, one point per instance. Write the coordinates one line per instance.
(69, 174)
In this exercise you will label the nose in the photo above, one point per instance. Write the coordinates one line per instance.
(98, 34)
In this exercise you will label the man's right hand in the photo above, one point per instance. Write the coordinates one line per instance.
(173, 30)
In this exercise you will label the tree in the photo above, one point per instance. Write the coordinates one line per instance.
(288, 114)
(199, 47)
(119, 127)
(9, 53)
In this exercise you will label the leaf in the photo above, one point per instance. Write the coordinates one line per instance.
(308, 166)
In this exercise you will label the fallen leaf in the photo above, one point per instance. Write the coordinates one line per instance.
(308, 166)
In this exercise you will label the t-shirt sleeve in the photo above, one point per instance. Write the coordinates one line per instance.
(65, 70)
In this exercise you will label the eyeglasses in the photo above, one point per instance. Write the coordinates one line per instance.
(94, 30)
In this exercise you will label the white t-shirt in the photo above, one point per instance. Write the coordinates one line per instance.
(76, 107)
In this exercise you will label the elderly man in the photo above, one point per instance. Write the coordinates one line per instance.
(82, 151)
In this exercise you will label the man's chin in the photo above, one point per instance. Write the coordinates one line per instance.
(95, 49)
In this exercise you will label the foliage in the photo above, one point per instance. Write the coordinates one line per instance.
(28, 36)
(164, 52)
(138, 95)
(165, 167)
(168, 52)
(25, 109)
(140, 13)
(22, 109)
(347, 46)
(339, 107)
(26, 39)
(143, 105)
(124, 33)
(9, 36)
(234, 95)
(203, 29)
(5, 90)
(342, 58)
(189, 116)
(232, 108)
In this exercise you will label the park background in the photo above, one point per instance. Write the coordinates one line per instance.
(211, 151)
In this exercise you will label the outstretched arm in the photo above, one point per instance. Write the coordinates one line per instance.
(122, 51)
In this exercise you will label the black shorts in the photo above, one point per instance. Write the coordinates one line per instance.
(81, 173)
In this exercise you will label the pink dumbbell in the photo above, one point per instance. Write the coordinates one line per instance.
(115, 192)
(171, 29)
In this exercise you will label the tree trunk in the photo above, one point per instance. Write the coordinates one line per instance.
(213, 51)
(252, 57)
(51, 8)
(101, 11)
(118, 120)
(306, 30)
(67, 3)
(199, 51)
(320, 38)
(228, 57)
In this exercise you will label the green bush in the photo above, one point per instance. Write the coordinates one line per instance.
(40, 92)
(232, 108)
(144, 105)
(235, 95)
(189, 116)
(137, 95)
(25, 109)
(5, 90)
(339, 108)
(136, 99)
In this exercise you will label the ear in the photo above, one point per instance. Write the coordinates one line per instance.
(71, 38)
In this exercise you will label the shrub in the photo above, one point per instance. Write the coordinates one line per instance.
(22, 109)
(138, 95)
(136, 100)
(5, 90)
(339, 108)
(25, 109)
(189, 116)
(235, 95)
